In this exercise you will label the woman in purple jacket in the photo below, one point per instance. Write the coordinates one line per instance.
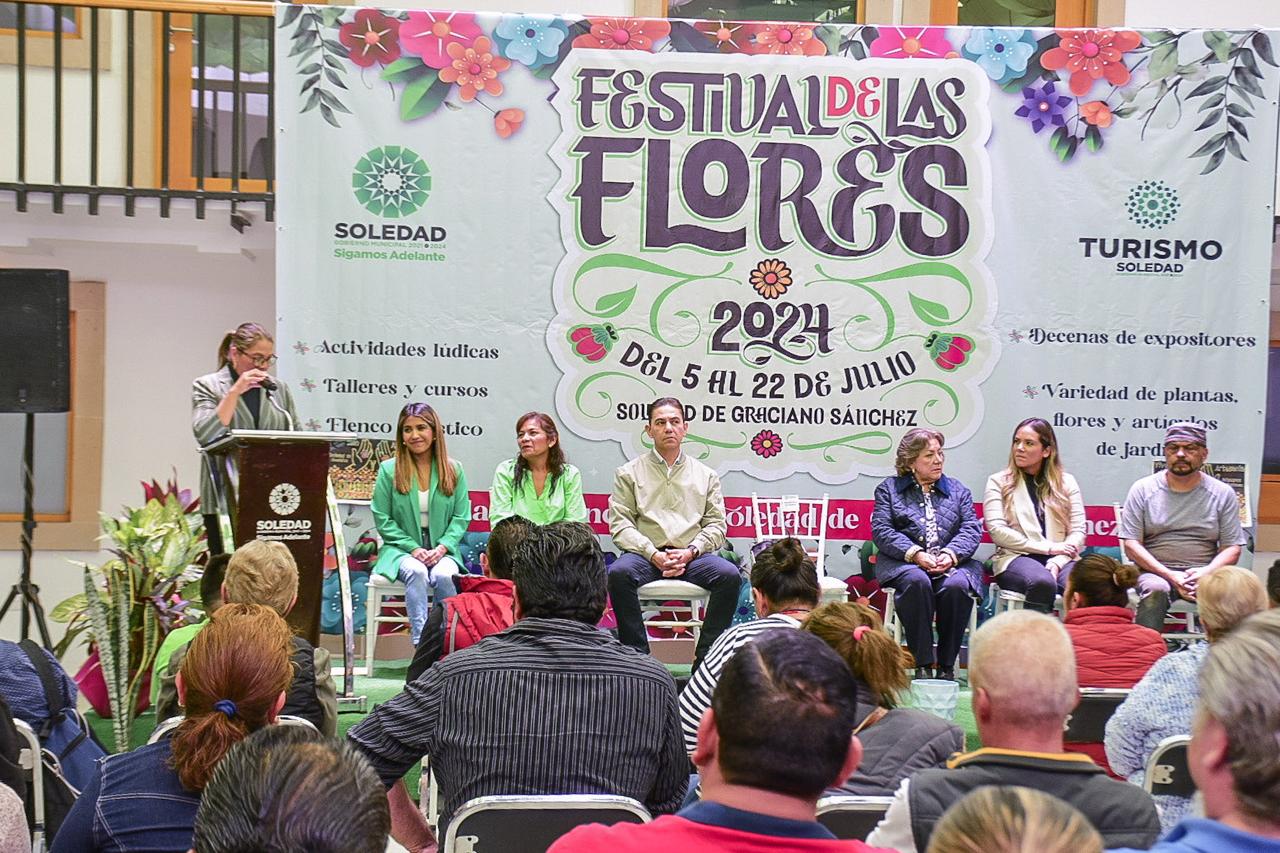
(926, 531)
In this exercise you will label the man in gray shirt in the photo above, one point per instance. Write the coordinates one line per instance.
(1178, 525)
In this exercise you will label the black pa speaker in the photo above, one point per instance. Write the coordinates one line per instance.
(35, 341)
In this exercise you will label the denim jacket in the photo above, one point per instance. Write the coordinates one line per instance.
(897, 524)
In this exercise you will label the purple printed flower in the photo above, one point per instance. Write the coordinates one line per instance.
(766, 443)
(1042, 106)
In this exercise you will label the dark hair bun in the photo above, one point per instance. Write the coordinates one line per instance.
(789, 554)
(1126, 576)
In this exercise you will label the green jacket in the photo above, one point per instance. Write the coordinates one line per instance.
(400, 523)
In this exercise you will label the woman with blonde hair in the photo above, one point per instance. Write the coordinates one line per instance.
(1035, 515)
(422, 508)
(896, 741)
(1163, 703)
(1011, 819)
(240, 394)
(232, 683)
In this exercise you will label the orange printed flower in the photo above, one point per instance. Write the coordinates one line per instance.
(623, 33)
(474, 68)
(1096, 113)
(787, 40)
(507, 122)
(1090, 55)
(728, 37)
(771, 278)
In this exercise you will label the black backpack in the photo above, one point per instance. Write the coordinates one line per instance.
(58, 795)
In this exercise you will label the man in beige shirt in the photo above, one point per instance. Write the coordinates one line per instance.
(666, 515)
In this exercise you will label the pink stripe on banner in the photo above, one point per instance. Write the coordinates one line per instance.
(847, 519)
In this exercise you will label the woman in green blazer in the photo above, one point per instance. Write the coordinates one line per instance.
(420, 530)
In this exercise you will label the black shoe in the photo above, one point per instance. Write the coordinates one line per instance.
(947, 674)
(923, 672)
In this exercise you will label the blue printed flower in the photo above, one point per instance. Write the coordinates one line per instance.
(530, 39)
(1002, 53)
(1042, 107)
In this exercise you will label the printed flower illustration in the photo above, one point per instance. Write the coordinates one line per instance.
(1096, 113)
(301, 348)
(1042, 106)
(786, 40)
(1030, 392)
(728, 37)
(313, 425)
(1001, 53)
(429, 34)
(507, 122)
(308, 384)
(531, 40)
(771, 278)
(948, 351)
(766, 444)
(371, 37)
(474, 68)
(1089, 55)
(623, 33)
(912, 43)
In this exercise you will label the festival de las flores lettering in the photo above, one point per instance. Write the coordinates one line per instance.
(819, 264)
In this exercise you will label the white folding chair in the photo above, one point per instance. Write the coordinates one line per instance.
(166, 728)
(531, 824)
(793, 517)
(852, 818)
(31, 762)
(684, 605)
(380, 591)
(1007, 599)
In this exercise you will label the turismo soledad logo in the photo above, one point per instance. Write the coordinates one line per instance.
(1151, 205)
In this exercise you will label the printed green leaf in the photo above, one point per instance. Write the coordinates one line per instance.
(422, 97)
(1239, 111)
(1213, 84)
(1238, 126)
(1262, 44)
(290, 14)
(1093, 138)
(1250, 85)
(1214, 162)
(1215, 142)
(312, 101)
(1233, 145)
(613, 304)
(930, 312)
(1219, 42)
(401, 67)
(1164, 60)
(1215, 101)
(332, 102)
(1211, 119)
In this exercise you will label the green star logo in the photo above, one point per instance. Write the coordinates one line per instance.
(391, 181)
(1153, 204)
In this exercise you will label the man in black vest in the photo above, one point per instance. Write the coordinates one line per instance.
(1023, 673)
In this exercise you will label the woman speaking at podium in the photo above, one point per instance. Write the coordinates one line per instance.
(240, 394)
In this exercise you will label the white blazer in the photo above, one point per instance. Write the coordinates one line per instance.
(1021, 534)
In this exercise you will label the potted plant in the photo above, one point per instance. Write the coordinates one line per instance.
(134, 599)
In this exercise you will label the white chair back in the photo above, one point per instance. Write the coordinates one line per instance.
(793, 517)
(852, 818)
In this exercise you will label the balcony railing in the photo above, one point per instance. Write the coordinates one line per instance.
(138, 99)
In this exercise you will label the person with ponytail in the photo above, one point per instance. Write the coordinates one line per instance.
(784, 587)
(232, 683)
(240, 394)
(896, 741)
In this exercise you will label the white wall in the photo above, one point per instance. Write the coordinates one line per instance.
(173, 287)
(1184, 14)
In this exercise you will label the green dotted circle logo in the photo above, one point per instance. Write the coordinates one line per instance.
(391, 181)
(1153, 204)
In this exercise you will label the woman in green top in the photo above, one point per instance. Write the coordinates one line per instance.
(538, 484)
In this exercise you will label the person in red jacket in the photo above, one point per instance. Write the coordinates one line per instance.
(484, 605)
(1111, 649)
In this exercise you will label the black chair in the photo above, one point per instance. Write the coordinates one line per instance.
(852, 818)
(532, 824)
(1088, 722)
(1167, 772)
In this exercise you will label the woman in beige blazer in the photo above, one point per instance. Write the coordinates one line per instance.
(1035, 516)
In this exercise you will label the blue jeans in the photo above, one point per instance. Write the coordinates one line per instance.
(416, 578)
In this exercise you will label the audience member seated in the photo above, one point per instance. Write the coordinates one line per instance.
(232, 682)
(1011, 819)
(1163, 702)
(778, 733)
(896, 741)
(1234, 756)
(925, 527)
(784, 587)
(1273, 584)
(1035, 515)
(285, 789)
(1111, 650)
(211, 579)
(549, 706)
(484, 605)
(1179, 525)
(15, 837)
(265, 573)
(1024, 685)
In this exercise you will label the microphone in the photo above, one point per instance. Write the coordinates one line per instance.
(267, 383)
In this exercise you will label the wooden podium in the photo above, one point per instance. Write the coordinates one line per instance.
(274, 486)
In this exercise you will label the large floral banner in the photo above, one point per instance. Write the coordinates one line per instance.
(815, 236)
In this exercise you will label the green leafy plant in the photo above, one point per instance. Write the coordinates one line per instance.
(133, 599)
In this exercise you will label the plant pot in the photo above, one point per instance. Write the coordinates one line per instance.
(93, 687)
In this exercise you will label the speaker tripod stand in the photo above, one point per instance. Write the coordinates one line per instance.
(24, 591)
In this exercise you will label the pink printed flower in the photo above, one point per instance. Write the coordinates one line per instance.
(913, 43)
(371, 37)
(623, 33)
(786, 40)
(1096, 113)
(728, 37)
(507, 122)
(474, 68)
(429, 35)
(766, 444)
(1090, 55)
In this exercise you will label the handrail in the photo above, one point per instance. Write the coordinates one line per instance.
(248, 8)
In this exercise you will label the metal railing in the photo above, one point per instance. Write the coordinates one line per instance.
(175, 125)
